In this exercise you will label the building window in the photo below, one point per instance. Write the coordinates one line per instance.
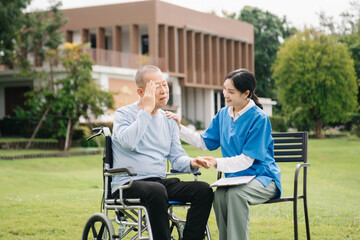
(144, 44)
(93, 40)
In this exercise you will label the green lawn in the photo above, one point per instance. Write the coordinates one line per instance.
(16, 139)
(51, 198)
(16, 152)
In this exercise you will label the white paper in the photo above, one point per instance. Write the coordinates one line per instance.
(232, 181)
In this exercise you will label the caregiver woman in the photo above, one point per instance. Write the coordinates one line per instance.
(243, 131)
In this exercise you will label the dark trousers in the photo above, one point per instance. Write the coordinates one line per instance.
(155, 194)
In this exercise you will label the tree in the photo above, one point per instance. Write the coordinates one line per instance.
(39, 35)
(58, 102)
(315, 80)
(269, 31)
(11, 19)
(346, 32)
(73, 96)
(77, 94)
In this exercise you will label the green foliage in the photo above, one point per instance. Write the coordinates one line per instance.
(39, 35)
(301, 119)
(278, 123)
(82, 133)
(347, 32)
(356, 130)
(316, 79)
(70, 97)
(269, 30)
(11, 19)
(78, 93)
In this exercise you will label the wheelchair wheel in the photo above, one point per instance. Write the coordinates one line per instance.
(98, 227)
(177, 229)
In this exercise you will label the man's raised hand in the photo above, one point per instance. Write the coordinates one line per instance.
(149, 97)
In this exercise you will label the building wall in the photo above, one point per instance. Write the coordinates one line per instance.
(196, 47)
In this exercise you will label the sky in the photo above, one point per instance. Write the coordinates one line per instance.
(298, 12)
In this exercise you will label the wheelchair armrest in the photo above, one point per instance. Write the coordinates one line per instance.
(175, 172)
(128, 170)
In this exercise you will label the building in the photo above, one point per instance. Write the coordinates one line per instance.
(195, 50)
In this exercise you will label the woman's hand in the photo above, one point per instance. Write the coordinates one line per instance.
(211, 160)
(200, 162)
(174, 116)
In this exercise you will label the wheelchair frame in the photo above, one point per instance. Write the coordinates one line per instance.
(129, 214)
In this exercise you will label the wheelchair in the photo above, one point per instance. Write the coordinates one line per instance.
(126, 218)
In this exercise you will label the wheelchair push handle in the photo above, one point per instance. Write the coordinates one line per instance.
(101, 130)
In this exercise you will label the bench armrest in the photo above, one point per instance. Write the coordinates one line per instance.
(296, 177)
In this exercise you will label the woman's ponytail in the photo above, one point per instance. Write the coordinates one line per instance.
(256, 100)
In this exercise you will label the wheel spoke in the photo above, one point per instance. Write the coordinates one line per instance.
(94, 230)
(101, 232)
(100, 226)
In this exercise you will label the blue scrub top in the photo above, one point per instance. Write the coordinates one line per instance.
(250, 134)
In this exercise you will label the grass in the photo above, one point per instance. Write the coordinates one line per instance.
(16, 152)
(51, 198)
(16, 139)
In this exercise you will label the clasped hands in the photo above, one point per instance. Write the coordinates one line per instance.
(205, 162)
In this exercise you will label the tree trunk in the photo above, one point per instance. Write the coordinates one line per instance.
(318, 129)
(51, 85)
(37, 128)
(68, 138)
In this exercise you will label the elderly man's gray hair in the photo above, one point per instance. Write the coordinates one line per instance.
(139, 77)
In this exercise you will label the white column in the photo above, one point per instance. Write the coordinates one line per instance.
(176, 91)
(218, 102)
(199, 105)
(209, 107)
(191, 106)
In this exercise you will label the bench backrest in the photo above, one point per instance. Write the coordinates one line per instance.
(290, 146)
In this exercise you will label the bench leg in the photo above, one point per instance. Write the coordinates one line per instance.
(306, 219)
(295, 220)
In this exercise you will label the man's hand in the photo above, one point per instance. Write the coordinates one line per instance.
(206, 162)
(174, 116)
(200, 162)
(149, 97)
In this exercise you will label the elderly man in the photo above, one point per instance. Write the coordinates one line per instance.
(143, 138)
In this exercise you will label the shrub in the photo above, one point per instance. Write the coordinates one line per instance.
(278, 123)
(356, 130)
(86, 132)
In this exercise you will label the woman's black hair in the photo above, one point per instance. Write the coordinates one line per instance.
(245, 80)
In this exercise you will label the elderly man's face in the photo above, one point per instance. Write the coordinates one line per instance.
(162, 88)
